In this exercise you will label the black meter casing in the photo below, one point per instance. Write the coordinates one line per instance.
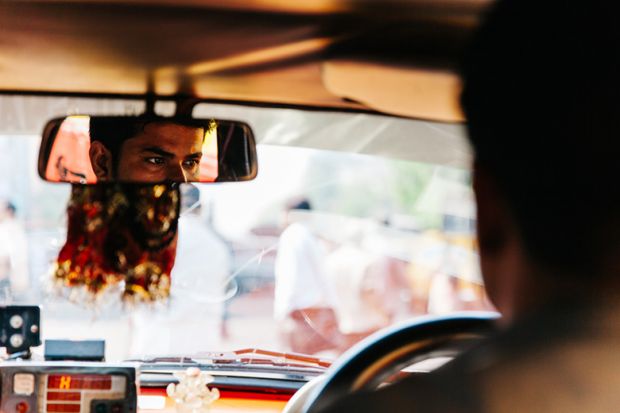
(69, 387)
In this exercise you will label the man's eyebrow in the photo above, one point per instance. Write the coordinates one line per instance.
(157, 150)
(194, 155)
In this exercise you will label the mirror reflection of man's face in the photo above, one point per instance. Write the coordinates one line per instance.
(161, 152)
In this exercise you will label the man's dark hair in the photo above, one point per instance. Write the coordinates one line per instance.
(299, 204)
(112, 132)
(11, 208)
(542, 99)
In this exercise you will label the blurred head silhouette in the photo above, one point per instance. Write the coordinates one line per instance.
(542, 100)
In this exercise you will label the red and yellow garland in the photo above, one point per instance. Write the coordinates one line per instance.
(120, 234)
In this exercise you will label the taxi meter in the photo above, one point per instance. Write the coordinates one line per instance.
(60, 387)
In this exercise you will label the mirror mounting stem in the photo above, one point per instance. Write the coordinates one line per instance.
(185, 107)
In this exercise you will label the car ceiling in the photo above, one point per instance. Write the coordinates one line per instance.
(395, 57)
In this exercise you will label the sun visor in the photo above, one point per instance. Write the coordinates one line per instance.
(402, 91)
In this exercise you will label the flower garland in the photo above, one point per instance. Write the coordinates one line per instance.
(120, 233)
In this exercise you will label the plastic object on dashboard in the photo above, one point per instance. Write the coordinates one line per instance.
(79, 350)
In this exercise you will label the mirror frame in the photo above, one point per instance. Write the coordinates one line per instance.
(53, 125)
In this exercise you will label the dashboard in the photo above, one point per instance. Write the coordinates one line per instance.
(74, 378)
(73, 387)
(156, 401)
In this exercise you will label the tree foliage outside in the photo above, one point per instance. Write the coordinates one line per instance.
(376, 188)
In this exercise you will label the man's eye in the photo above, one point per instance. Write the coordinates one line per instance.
(155, 160)
(191, 163)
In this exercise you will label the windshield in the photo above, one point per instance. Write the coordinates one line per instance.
(354, 223)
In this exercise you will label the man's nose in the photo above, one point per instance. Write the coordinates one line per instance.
(177, 173)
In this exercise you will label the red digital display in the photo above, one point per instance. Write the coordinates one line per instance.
(61, 396)
(63, 408)
(79, 382)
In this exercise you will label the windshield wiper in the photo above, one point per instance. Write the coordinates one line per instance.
(243, 357)
(256, 356)
(250, 368)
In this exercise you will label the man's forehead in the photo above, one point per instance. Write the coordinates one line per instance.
(168, 135)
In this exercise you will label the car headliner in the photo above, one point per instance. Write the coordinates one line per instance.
(396, 57)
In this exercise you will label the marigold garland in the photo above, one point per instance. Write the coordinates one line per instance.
(120, 233)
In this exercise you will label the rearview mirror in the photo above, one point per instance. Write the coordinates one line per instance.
(90, 149)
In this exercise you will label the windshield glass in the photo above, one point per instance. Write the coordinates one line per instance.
(330, 243)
